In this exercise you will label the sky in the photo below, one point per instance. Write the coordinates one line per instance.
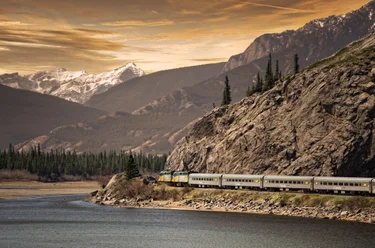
(101, 35)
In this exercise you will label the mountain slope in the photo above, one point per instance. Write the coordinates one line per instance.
(313, 42)
(141, 91)
(75, 86)
(25, 114)
(115, 131)
(319, 122)
(330, 34)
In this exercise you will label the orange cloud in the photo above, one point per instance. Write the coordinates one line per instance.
(137, 23)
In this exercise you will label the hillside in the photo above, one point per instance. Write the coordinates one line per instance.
(319, 122)
(115, 131)
(316, 40)
(75, 86)
(25, 114)
(141, 91)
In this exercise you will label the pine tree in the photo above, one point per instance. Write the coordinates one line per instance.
(131, 170)
(227, 99)
(296, 64)
(268, 78)
(259, 84)
(277, 71)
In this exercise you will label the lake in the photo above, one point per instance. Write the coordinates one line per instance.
(67, 221)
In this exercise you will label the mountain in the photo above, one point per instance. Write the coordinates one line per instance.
(155, 134)
(318, 122)
(75, 86)
(331, 34)
(25, 114)
(314, 41)
(114, 131)
(143, 90)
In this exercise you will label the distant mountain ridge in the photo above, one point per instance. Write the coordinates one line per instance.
(314, 41)
(75, 86)
(138, 92)
(26, 115)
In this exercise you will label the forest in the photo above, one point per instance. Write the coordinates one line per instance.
(53, 165)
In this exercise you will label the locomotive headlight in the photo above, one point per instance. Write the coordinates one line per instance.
(365, 184)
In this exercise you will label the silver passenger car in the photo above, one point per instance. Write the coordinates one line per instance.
(343, 184)
(242, 181)
(205, 180)
(288, 182)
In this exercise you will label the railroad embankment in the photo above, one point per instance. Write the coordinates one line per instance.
(139, 194)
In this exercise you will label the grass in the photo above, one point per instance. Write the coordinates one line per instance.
(339, 57)
(137, 190)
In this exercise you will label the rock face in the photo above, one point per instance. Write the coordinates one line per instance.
(319, 122)
(314, 41)
(75, 86)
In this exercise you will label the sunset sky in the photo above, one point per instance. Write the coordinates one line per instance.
(100, 35)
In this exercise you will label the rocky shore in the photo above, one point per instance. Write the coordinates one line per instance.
(334, 207)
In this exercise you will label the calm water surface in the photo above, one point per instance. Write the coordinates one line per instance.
(66, 221)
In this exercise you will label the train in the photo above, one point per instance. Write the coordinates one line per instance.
(307, 184)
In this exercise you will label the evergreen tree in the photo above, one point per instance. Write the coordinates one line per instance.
(131, 170)
(296, 64)
(227, 99)
(268, 78)
(277, 71)
(259, 84)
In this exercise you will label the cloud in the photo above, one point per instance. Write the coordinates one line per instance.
(139, 23)
(93, 31)
(14, 23)
(277, 7)
(210, 59)
(189, 12)
(64, 38)
(217, 19)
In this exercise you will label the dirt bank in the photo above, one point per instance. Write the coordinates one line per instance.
(16, 189)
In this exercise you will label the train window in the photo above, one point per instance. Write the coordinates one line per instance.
(341, 184)
(325, 183)
(329, 183)
(346, 184)
(351, 184)
(277, 181)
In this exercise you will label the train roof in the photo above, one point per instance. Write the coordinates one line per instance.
(241, 176)
(289, 177)
(204, 175)
(348, 179)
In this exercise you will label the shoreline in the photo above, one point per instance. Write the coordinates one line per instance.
(214, 201)
(20, 189)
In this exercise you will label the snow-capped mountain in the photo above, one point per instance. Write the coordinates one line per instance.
(75, 86)
(314, 41)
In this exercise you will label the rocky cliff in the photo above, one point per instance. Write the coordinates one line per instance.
(319, 122)
(314, 41)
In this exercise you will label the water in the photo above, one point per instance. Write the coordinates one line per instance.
(66, 221)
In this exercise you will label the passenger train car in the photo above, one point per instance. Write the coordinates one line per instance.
(344, 185)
